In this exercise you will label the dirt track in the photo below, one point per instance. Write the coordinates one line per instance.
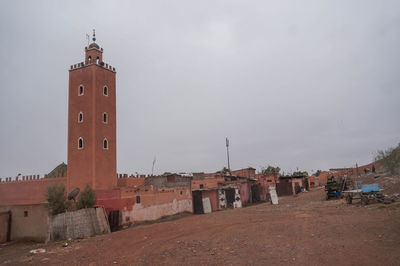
(303, 230)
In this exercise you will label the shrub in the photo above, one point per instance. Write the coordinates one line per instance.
(270, 170)
(317, 173)
(57, 201)
(87, 198)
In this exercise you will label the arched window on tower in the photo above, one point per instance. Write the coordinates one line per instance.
(105, 118)
(97, 60)
(80, 117)
(80, 143)
(81, 90)
(89, 59)
(105, 144)
(105, 91)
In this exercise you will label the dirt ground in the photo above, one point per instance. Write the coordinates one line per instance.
(302, 230)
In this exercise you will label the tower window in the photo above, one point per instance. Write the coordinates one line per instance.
(105, 118)
(105, 144)
(89, 59)
(80, 117)
(80, 90)
(97, 60)
(80, 143)
(105, 91)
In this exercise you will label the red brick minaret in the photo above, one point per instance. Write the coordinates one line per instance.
(92, 123)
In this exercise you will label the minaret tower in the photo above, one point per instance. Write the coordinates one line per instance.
(92, 122)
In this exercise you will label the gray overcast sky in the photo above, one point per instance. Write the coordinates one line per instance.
(307, 84)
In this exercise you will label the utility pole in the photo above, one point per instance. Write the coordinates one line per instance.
(227, 153)
(152, 168)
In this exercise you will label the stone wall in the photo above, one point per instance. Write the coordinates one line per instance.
(78, 224)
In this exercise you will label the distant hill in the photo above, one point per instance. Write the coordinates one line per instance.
(61, 169)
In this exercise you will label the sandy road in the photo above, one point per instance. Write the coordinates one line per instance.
(303, 230)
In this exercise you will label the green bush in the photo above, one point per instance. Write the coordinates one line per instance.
(56, 198)
(270, 170)
(87, 198)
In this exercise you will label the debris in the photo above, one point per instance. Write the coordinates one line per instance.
(274, 196)
(65, 245)
(36, 251)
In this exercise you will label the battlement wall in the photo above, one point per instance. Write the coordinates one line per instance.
(20, 178)
(130, 181)
(101, 64)
(27, 189)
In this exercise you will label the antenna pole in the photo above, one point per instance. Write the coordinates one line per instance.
(152, 168)
(227, 153)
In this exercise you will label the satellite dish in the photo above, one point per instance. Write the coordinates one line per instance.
(72, 195)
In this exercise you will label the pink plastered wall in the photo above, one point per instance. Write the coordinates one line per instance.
(213, 196)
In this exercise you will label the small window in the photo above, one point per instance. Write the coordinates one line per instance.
(181, 192)
(80, 117)
(89, 59)
(201, 186)
(80, 143)
(97, 60)
(105, 91)
(80, 90)
(105, 118)
(105, 144)
(137, 199)
(25, 213)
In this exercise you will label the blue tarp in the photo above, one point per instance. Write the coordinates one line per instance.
(370, 188)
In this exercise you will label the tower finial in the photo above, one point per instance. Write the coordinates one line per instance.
(94, 36)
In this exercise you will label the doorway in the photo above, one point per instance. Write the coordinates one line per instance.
(198, 202)
(256, 192)
(113, 220)
(230, 197)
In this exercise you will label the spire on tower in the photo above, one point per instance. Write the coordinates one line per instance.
(94, 36)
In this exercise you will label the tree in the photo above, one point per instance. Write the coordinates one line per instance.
(56, 198)
(389, 159)
(300, 173)
(317, 173)
(270, 170)
(87, 198)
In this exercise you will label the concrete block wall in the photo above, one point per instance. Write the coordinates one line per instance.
(168, 181)
(78, 224)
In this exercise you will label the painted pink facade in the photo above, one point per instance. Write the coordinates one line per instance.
(245, 193)
(213, 196)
